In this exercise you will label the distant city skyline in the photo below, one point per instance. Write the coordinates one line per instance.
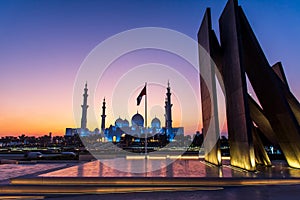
(43, 44)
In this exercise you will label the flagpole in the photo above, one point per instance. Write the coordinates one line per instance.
(146, 130)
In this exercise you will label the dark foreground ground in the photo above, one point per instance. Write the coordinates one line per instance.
(288, 192)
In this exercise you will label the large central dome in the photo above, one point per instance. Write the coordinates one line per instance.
(137, 120)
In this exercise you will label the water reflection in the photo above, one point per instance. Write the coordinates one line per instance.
(178, 168)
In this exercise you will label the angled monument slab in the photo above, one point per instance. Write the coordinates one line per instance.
(293, 102)
(259, 118)
(237, 108)
(269, 89)
(277, 116)
(261, 156)
(278, 69)
(208, 40)
(208, 94)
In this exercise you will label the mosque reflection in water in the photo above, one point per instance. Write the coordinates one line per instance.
(177, 168)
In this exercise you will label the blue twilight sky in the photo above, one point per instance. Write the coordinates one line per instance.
(43, 43)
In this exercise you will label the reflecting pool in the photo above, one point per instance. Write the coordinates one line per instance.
(178, 168)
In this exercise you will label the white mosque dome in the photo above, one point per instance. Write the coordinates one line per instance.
(155, 123)
(125, 123)
(119, 122)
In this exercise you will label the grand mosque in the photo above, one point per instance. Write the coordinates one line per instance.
(138, 130)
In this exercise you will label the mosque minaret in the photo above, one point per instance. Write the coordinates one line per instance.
(84, 107)
(103, 116)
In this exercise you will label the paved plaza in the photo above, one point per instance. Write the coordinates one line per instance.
(101, 180)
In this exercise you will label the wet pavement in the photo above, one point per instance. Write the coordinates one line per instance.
(121, 167)
(8, 171)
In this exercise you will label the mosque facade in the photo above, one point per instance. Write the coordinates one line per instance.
(135, 128)
(122, 127)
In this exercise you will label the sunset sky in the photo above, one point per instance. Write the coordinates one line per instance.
(44, 43)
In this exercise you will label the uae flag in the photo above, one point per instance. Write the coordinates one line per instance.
(139, 98)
